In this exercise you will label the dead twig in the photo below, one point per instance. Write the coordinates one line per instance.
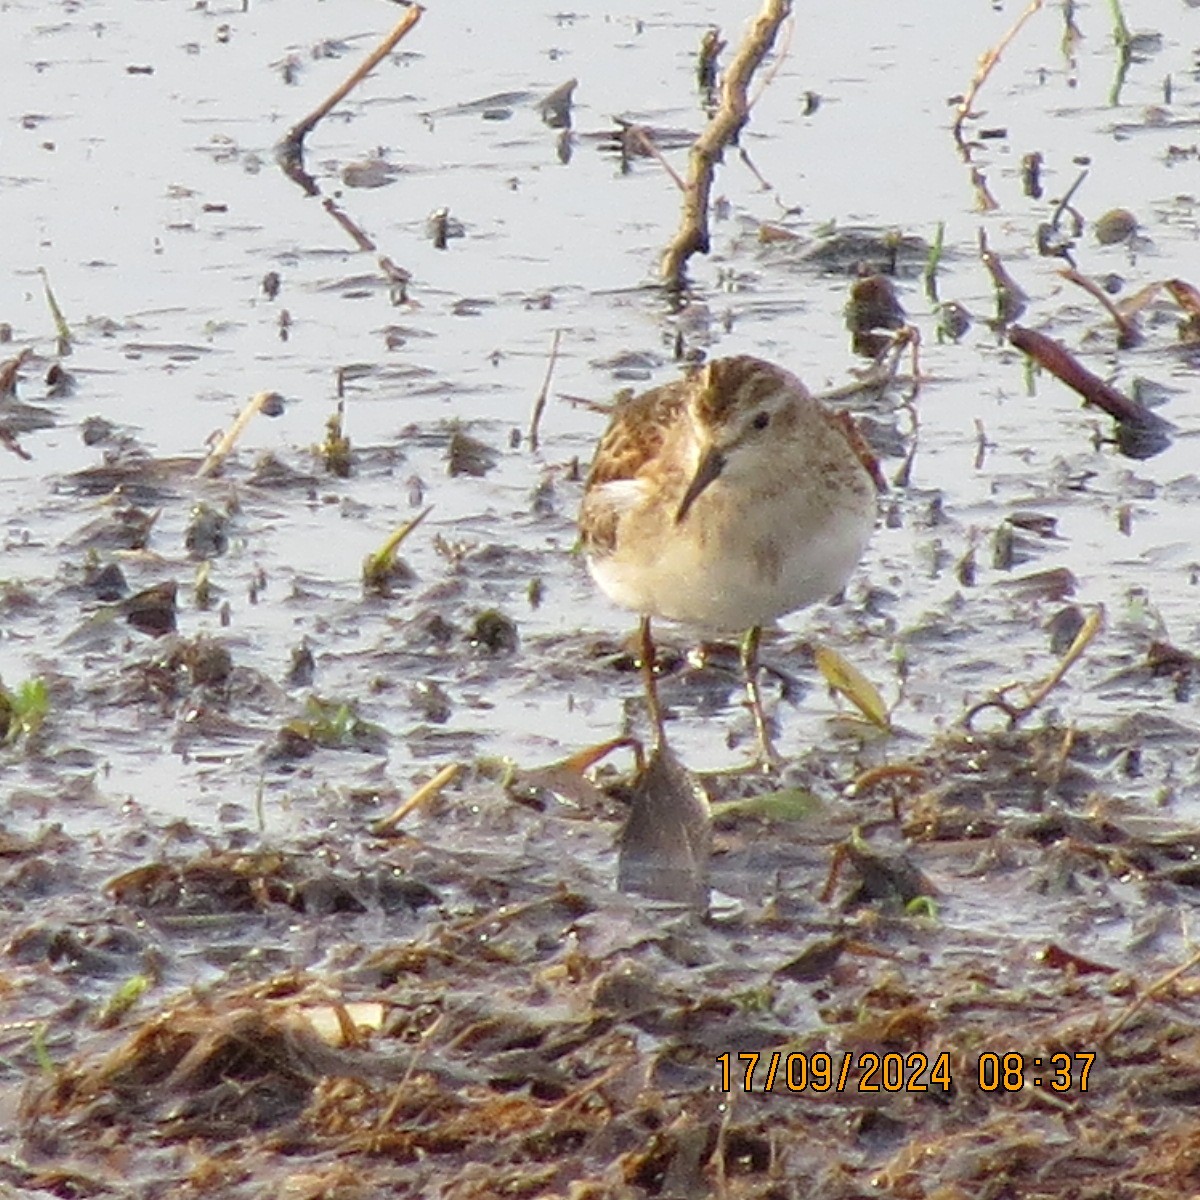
(8, 440)
(748, 163)
(1036, 693)
(1159, 985)
(1140, 432)
(388, 825)
(722, 129)
(987, 64)
(785, 48)
(873, 777)
(884, 370)
(1011, 300)
(359, 236)
(642, 134)
(269, 402)
(290, 151)
(539, 405)
(10, 370)
(1128, 333)
(1184, 294)
(1064, 205)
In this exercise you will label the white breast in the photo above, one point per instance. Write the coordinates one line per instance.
(726, 571)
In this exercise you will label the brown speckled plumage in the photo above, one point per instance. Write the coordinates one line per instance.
(636, 432)
(727, 499)
(811, 459)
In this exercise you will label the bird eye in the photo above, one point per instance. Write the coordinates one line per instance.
(761, 421)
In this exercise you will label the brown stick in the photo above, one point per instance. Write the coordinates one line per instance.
(1010, 299)
(1128, 333)
(291, 148)
(722, 129)
(1158, 985)
(987, 63)
(539, 405)
(8, 440)
(360, 237)
(1017, 711)
(1061, 363)
(1186, 296)
(642, 134)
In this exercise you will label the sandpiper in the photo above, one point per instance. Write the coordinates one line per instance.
(723, 501)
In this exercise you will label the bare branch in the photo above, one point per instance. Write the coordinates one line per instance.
(721, 131)
(987, 63)
(290, 151)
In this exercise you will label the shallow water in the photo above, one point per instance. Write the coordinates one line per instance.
(153, 201)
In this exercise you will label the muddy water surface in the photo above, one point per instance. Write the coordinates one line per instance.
(137, 168)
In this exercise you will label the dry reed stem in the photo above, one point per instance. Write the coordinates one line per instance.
(789, 28)
(539, 405)
(647, 142)
(1036, 693)
(292, 146)
(987, 63)
(221, 451)
(422, 796)
(882, 372)
(731, 116)
(1055, 358)
(1128, 333)
(8, 440)
(359, 236)
(1158, 985)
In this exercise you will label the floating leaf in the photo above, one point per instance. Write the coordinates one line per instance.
(843, 676)
(22, 712)
(787, 804)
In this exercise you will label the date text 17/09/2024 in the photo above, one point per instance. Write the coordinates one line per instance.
(777, 1071)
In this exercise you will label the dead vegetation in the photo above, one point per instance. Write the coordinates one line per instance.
(555, 1039)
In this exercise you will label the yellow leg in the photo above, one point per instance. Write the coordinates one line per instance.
(648, 656)
(766, 748)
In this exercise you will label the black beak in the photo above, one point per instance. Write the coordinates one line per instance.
(710, 468)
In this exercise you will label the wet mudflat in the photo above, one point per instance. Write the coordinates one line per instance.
(246, 949)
